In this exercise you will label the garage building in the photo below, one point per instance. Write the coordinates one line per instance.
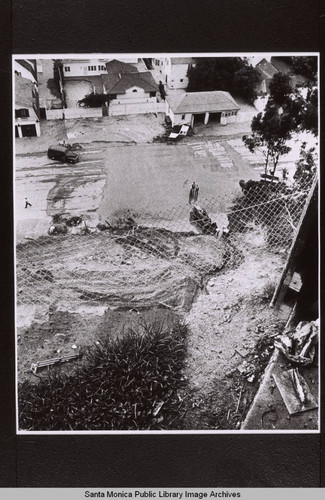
(192, 108)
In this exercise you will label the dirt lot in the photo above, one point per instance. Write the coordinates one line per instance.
(117, 279)
(125, 271)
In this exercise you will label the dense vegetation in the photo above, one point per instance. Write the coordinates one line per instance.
(129, 383)
(232, 74)
(94, 100)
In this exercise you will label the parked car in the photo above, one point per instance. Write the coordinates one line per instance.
(62, 153)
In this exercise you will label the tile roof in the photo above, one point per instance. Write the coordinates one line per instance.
(116, 66)
(266, 69)
(23, 92)
(118, 84)
(201, 102)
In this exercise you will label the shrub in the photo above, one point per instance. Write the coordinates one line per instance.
(122, 385)
(267, 205)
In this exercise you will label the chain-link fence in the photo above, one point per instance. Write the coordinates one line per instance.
(146, 259)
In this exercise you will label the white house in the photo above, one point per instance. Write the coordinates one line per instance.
(173, 70)
(199, 107)
(26, 108)
(83, 67)
(88, 67)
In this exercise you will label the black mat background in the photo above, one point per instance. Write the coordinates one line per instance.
(70, 26)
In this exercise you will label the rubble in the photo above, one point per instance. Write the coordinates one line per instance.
(299, 346)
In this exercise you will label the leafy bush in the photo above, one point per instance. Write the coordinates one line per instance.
(94, 100)
(265, 205)
(127, 383)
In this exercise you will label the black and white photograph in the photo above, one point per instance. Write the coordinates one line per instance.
(166, 242)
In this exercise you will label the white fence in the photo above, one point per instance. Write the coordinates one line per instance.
(70, 113)
(136, 108)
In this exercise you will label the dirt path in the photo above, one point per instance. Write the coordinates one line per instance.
(232, 316)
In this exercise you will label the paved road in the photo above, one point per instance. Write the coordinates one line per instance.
(52, 187)
(147, 178)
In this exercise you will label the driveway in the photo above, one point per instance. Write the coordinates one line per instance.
(76, 90)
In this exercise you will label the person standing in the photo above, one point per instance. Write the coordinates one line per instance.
(27, 204)
(192, 193)
(196, 192)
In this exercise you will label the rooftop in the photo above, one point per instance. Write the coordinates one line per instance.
(119, 83)
(266, 69)
(23, 92)
(200, 102)
(115, 67)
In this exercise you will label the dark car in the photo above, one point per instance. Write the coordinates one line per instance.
(63, 154)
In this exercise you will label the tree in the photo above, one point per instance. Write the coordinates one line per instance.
(94, 100)
(281, 89)
(306, 166)
(272, 129)
(306, 66)
(307, 110)
(232, 74)
(245, 82)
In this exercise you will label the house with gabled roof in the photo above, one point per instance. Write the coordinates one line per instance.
(123, 82)
(127, 86)
(191, 108)
(282, 65)
(87, 67)
(266, 71)
(26, 108)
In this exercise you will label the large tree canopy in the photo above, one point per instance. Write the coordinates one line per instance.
(306, 66)
(273, 128)
(286, 112)
(232, 74)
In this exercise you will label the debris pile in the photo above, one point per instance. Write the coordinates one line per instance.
(200, 218)
(299, 346)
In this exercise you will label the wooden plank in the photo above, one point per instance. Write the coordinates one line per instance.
(295, 391)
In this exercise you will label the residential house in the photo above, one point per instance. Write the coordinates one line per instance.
(123, 81)
(173, 71)
(199, 107)
(83, 67)
(267, 70)
(26, 108)
(283, 66)
(88, 67)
